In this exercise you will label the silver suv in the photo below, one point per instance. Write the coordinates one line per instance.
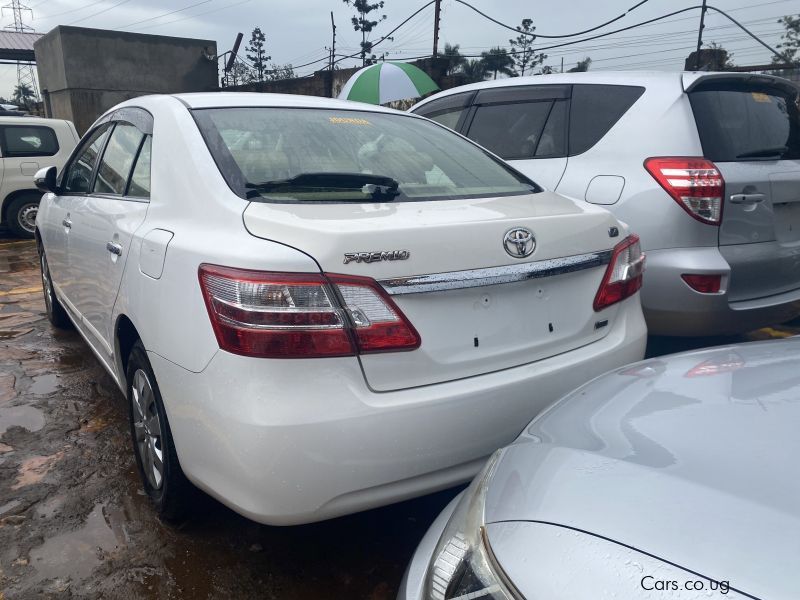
(705, 167)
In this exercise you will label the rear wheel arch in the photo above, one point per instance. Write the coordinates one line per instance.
(17, 194)
(125, 337)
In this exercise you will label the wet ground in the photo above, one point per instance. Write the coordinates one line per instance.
(74, 523)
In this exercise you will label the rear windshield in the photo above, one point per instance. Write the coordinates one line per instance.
(283, 154)
(747, 123)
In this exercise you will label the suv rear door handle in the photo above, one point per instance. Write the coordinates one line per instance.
(747, 198)
(114, 248)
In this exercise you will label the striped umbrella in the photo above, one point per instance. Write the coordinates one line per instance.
(387, 81)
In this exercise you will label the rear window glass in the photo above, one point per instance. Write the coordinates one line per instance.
(29, 141)
(284, 154)
(747, 123)
(594, 111)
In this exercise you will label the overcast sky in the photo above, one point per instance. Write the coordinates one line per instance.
(298, 31)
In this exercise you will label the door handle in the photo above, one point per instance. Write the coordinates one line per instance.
(67, 223)
(747, 198)
(114, 248)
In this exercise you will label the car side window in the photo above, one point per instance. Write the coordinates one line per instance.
(22, 140)
(140, 177)
(447, 111)
(512, 131)
(78, 177)
(594, 111)
(117, 162)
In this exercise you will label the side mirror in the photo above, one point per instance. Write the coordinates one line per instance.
(45, 179)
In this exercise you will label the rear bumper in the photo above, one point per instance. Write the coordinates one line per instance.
(672, 308)
(294, 441)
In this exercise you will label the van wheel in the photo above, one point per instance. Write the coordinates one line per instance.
(161, 473)
(56, 313)
(21, 215)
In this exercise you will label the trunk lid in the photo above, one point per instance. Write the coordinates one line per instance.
(749, 127)
(465, 331)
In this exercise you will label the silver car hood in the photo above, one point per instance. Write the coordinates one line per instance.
(694, 458)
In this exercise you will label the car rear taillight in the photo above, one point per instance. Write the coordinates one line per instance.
(705, 284)
(302, 315)
(623, 277)
(694, 183)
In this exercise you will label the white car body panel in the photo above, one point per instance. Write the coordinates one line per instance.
(296, 440)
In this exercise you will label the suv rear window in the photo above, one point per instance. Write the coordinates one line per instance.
(323, 155)
(740, 122)
(23, 140)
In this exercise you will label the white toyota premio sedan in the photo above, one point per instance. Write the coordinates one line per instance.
(316, 307)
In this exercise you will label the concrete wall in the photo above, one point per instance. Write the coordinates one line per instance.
(84, 72)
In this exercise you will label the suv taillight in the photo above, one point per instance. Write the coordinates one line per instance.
(302, 315)
(694, 183)
(623, 277)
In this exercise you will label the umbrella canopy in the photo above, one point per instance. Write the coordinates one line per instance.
(387, 81)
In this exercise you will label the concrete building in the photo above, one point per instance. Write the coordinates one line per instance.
(83, 72)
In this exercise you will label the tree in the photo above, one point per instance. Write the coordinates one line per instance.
(581, 66)
(257, 55)
(362, 22)
(239, 74)
(281, 72)
(497, 60)
(790, 40)
(455, 61)
(23, 96)
(474, 71)
(524, 56)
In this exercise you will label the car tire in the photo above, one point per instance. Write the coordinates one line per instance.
(21, 215)
(56, 313)
(165, 483)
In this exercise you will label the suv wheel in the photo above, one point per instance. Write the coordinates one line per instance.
(21, 215)
(160, 471)
(56, 313)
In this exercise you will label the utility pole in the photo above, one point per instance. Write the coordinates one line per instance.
(333, 56)
(700, 36)
(25, 75)
(562, 64)
(437, 13)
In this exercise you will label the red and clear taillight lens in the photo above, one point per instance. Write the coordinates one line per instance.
(302, 315)
(623, 277)
(694, 183)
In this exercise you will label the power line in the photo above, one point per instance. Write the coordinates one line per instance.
(200, 14)
(166, 14)
(99, 12)
(71, 10)
(541, 35)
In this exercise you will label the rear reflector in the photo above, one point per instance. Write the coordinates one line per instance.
(623, 277)
(705, 284)
(302, 315)
(694, 183)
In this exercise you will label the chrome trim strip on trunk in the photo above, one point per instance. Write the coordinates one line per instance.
(457, 280)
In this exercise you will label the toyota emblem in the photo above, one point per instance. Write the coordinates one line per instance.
(519, 242)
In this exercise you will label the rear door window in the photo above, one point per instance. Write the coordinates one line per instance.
(20, 141)
(740, 122)
(140, 177)
(115, 167)
(522, 122)
(594, 111)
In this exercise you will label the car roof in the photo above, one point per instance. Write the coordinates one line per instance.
(680, 79)
(28, 120)
(251, 99)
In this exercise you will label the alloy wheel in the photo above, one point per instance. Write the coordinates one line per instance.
(147, 429)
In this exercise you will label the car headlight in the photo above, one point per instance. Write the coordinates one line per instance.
(463, 565)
